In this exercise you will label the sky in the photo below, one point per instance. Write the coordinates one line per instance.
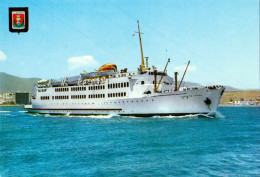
(65, 37)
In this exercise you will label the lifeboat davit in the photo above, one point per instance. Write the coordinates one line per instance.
(108, 67)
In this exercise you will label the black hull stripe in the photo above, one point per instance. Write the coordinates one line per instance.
(135, 115)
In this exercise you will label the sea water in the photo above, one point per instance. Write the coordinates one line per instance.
(44, 145)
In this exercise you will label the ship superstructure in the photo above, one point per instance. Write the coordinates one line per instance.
(144, 92)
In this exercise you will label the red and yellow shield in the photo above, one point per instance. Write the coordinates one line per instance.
(18, 19)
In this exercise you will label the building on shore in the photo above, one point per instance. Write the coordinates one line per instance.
(245, 103)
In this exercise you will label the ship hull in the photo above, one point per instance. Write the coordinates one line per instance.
(198, 101)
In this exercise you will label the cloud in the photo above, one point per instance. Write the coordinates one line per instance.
(2, 56)
(87, 62)
(182, 68)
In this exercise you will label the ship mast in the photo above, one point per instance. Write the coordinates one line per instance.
(142, 66)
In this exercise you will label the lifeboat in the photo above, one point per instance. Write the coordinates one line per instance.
(108, 67)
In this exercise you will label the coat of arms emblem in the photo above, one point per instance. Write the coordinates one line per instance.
(18, 19)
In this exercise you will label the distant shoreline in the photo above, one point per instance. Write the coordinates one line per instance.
(11, 105)
(224, 105)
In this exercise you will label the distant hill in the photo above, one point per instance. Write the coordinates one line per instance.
(10, 83)
(239, 95)
(231, 89)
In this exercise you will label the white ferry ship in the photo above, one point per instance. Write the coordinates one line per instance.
(145, 92)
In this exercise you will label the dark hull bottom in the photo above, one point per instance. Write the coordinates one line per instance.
(135, 115)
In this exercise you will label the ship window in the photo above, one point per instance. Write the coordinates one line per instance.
(98, 95)
(142, 82)
(103, 95)
(124, 93)
(122, 84)
(114, 94)
(127, 84)
(118, 85)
